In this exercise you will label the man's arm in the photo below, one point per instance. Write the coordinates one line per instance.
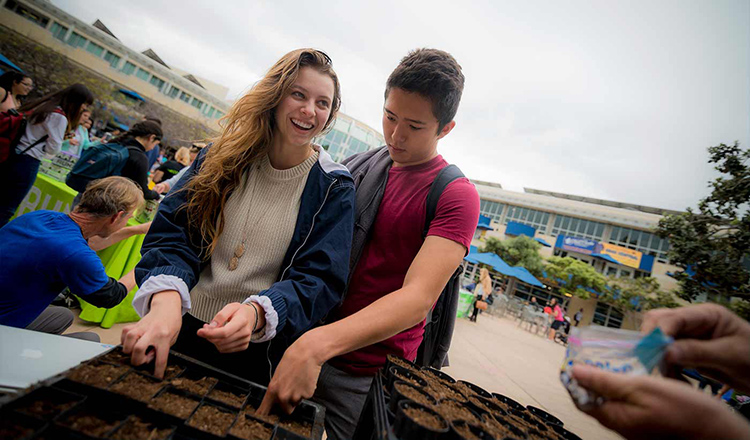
(296, 375)
(400, 310)
(98, 243)
(108, 296)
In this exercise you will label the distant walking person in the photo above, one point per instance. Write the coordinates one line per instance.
(482, 291)
(578, 317)
(50, 117)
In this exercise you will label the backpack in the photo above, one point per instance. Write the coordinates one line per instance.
(97, 162)
(438, 329)
(12, 128)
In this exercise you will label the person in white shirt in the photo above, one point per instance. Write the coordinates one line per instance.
(50, 117)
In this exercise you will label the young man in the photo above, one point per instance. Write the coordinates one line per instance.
(398, 275)
(42, 252)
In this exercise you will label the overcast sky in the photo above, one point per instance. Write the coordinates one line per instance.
(615, 100)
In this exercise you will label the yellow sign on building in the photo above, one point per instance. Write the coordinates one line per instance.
(622, 255)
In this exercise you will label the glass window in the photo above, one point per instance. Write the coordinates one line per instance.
(185, 97)
(591, 228)
(642, 241)
(28, 14)
(197, 103)
(173, 92)
(491, 209)
(599, 230)
(95, 49)
(142, 74)
(112, 59)
(211, 112)
(58, 31)
(77, 40)
(157, 82)
(128, 68)
(219, 114)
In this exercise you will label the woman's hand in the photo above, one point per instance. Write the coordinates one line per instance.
(157, 330)
(232, 328)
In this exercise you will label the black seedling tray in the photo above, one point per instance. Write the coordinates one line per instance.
(43, 422)
(377, 421)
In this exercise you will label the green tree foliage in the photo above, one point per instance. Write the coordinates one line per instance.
(631, 296)
(576, 276)
(640, 294)
(714, 241)
(518, 251)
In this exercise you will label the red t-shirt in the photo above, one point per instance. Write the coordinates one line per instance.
(396, 238)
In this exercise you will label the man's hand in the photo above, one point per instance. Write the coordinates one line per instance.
(646, 407)
(232, 328)
(158, 330)
(708, 337)
(296, 376)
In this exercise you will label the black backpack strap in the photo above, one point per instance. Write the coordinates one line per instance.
(443, 179)
(38, 141)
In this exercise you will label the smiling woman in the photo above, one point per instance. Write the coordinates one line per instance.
(253, 243)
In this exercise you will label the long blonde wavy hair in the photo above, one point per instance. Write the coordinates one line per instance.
(248, 130)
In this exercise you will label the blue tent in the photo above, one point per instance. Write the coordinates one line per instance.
(5, 62)
(524, 275)
(606, 257)
(502, 267)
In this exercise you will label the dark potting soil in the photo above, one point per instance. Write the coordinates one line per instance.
(45, 408)
(425, 419)
(402, 363)
(135, 428)
(406, 379)
(10, 429)
(440, 391)
(298, 427)
(211, 419)
(137, 387)
(172, 371)
(250, 429)
(498, 430)
(465, 432)
(89, 424)
(227, 397)
(98, 375)
(456, 411)
(413, 394)
(116, 356)
(463, 389)
(198, 387)
(170, 403)
(271, 418)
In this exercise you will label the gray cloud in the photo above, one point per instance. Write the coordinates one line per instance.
(617, 100)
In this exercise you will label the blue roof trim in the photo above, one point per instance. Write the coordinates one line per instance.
(132, 94)
(542, 242)
(515, 228)
(4, 60)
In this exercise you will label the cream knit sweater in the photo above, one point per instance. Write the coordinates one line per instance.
(266, 204)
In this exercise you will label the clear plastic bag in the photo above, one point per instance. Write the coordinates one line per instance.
(618, 351)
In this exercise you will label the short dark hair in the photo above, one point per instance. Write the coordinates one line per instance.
(433, 74)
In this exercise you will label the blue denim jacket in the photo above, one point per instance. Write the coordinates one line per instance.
(315, 267)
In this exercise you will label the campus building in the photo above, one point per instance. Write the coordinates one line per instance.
(349, 136)
(614, 238)
(142, 75)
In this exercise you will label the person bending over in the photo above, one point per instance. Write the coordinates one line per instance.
(43, 252)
